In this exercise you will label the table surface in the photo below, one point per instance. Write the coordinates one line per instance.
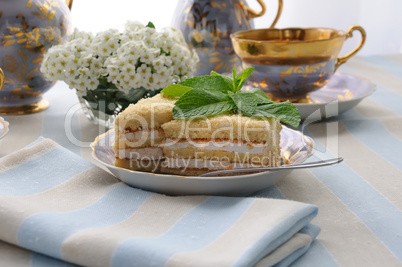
(359, 200)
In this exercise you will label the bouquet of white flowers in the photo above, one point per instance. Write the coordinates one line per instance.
(120, 68)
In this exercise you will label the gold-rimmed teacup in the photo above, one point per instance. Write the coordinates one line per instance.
(290, 63)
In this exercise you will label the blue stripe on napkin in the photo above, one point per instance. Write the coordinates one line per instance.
(198, 228)
(317, 253)
(41, 173)
(311, 230)
(54, 228)
(204, 224)
(277, 235)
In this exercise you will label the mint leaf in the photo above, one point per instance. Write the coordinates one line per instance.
(199, 102)
(215, 94)
(284, 111)
(150, 25)
(228, 80)
(207, 82)
(262, 98)
(245, 102)
(241, 78)
(258, 92)
(175, 90)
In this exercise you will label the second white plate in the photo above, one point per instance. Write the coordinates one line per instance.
(3, 127)
(342, 93)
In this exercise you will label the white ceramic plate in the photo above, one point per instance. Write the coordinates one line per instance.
(296, 148)
(3, 127)
(343, 92)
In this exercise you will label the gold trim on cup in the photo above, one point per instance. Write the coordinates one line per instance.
(293, 62)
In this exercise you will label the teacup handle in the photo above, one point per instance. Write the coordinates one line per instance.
(343, 59)
(254, 14)
(69, 3)
(1, 79)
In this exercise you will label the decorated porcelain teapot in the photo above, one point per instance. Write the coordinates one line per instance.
(27, 29)
(207, 25)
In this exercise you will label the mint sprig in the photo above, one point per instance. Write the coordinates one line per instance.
(215, 94)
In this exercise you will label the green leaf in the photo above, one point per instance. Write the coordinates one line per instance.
(199, 102)
(246, 102)
(207, 82)
(284, 111)
(228, 80)
(242, 77)
(150, 25)
(262, 98)
(175, 90)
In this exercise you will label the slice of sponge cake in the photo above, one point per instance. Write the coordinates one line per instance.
(200, 145)
(139, 134)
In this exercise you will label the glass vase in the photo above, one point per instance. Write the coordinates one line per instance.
(102, 105)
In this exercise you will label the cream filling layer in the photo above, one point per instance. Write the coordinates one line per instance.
(142, 134)
(140, 137)
(141, 153)
(180, 163)
(226, 146)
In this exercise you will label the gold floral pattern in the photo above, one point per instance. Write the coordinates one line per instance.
(10, 64)
(346, 95)
(209, 36)
(305, 70)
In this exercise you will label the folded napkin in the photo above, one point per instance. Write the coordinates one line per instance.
(57, 204)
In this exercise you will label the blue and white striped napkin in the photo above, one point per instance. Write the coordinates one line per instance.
(57, 204)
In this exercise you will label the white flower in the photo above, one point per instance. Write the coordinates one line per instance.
(128, 69)
(167, 46)
(138, 57)
(91, 83)
(73, 84)
(147, 57)
(76, 34)
(144, 70)
(113, 72)
(106, 42)
(133, 26)
(158, 63)
(96, 66)
(135, 81)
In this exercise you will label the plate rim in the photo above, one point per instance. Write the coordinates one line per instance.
(5, 127)
(308, 139)
(373, 87)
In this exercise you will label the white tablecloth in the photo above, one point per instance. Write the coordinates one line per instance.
(360, 200)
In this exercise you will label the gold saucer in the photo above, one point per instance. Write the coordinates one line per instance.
(27, 109)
